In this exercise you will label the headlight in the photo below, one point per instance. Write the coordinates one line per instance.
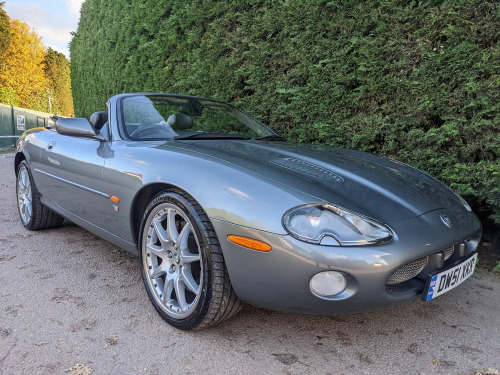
(326, 224)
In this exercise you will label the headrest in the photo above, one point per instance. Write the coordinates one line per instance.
(180, 121)
(191, 108)
(98, 119)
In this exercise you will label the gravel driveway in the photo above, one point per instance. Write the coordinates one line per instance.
(71, 303)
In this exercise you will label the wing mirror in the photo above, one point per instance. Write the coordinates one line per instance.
(77, 127)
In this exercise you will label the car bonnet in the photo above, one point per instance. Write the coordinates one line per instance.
(381, 188)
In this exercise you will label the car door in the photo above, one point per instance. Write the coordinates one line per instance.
(71, 175)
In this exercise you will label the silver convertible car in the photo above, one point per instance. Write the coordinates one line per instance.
(221, 210)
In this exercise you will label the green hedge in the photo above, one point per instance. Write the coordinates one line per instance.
(416, 81)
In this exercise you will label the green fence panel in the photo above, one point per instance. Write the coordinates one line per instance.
(14, 121)
(6, 126)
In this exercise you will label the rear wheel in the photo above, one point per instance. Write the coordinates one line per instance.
(34, 215)
(182, 264)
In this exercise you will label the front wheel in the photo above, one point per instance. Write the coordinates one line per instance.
(182, 264)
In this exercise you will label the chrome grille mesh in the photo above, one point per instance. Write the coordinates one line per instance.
(448, 252)
(408, 271)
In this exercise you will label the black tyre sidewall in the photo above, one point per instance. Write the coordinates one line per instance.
(194, 320)
(29, 224)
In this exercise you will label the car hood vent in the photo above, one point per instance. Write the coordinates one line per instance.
(307, 168)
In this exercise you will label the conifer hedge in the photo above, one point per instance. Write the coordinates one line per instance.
(417, 81)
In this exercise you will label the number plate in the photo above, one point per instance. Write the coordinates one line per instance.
(445, 280)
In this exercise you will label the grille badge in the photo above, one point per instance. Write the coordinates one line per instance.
(446, 221)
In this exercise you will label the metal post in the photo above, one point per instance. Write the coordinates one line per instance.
(13, 121)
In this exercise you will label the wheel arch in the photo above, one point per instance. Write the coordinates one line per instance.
(19, 158)
(142, 199)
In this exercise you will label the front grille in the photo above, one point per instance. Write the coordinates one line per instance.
(448, 252)
(408, 271)
(414, 284)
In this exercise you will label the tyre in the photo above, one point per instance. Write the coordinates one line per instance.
(182, 264)
(34, 215)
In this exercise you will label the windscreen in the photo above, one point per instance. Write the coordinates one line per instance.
(154, 117)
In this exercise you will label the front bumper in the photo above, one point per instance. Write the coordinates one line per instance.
(279, 279)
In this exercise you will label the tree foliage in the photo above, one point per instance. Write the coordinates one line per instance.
(23, 69)
(6, 95)
(418, 81)
(30, 75)
(5, 34)
(57, 71)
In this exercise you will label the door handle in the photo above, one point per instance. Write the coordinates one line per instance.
(51, 145)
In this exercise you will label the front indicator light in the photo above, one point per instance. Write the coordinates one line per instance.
(327, 284)
(249, 243)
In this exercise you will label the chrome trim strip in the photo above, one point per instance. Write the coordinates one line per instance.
(100, 193)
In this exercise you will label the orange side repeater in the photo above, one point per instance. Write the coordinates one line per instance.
(249, 243)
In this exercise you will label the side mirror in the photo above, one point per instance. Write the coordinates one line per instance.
(77, 127)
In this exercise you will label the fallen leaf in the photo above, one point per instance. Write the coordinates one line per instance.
(80, 369)
(490, 371)
(436, 362)
(112, 340)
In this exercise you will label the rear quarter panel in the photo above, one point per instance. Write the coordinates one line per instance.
(30, 145)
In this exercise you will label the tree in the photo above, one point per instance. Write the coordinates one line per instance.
(23, 71)
(6, 95)
(31, 77)
(5, 34)
(57, 71)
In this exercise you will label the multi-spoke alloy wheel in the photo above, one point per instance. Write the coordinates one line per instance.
(34, 215)
(24, 197)
(173, 263)
(182, 264)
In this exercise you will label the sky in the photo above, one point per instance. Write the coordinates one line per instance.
(53, 20)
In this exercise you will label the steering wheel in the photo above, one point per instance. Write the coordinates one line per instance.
(150, 127)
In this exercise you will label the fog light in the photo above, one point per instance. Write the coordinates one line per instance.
(328, 284)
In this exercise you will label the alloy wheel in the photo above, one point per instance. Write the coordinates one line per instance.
(24, 195)
(172, 260)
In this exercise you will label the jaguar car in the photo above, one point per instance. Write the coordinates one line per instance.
(222, 210)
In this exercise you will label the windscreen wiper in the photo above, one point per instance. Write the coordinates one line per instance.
(210, 135)
(272, 137)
